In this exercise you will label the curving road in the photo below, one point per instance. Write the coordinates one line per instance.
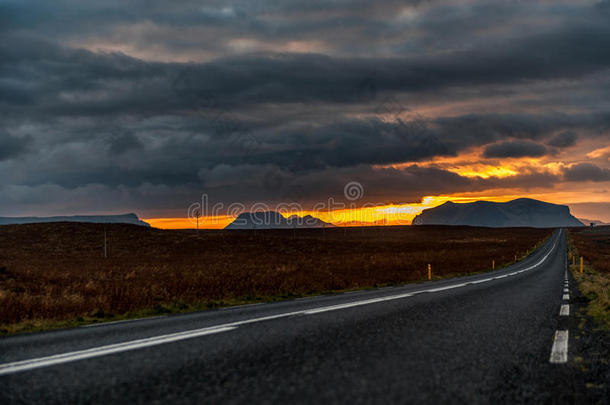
(483, 338)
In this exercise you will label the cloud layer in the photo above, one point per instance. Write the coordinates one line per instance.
(143, 106)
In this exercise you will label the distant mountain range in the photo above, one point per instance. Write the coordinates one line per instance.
(520, 212)
(99, 219)
(275, 220)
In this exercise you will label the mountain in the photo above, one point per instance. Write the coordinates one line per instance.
(99, 219)
(520, 212)
(275, 220)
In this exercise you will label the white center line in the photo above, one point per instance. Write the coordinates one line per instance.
(559, 351)
(565, 310)
(105, 350)
(481, 281)
(566, 290)
(566, 297)
(358, 303)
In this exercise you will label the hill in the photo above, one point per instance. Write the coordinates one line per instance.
(275, 220)
(519, 212)
(96, 219)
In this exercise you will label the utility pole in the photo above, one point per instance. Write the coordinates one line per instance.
(197, 215)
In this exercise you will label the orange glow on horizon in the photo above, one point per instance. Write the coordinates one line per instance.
(388, 214)
(385, 214)
(218, 222)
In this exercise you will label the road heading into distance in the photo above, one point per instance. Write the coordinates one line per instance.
(492, 336)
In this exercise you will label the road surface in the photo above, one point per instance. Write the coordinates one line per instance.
(493, 337)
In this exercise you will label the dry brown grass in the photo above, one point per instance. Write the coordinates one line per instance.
(594, 245)
(57, 272)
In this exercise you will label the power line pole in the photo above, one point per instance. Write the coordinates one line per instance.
(197, 215)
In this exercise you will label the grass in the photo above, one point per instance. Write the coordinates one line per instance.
(55, 275)
(594, 282)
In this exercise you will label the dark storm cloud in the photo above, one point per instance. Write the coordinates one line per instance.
(514, 149)
(563, 139)
(373, 141)
(390, 185)
(289, 100)
(321, 78)
(140, 87)
(586, 172)
(173, 150)
(121, 141)
(11, 147)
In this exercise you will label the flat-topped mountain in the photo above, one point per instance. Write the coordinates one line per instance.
(275, 220)
(98, 219)
(519, 212)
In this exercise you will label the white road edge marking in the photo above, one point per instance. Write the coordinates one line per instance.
(14, 367)
(105, 350)
(559, 352)
(566, 290)
(565, 310)
(566, 297)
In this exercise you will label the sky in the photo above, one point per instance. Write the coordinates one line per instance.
(156, 107)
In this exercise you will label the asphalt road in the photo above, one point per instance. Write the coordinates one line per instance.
(476, 339)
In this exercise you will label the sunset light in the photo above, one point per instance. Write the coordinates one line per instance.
(304, 201)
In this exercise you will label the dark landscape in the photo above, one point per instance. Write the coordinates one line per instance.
(57, 272)
(305, 202)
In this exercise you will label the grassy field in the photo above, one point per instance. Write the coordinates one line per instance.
(54, 275)
(593, 244)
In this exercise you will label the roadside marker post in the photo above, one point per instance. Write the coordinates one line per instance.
(573, 260)
(581, 264)
(429, 272)
(493, 264)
